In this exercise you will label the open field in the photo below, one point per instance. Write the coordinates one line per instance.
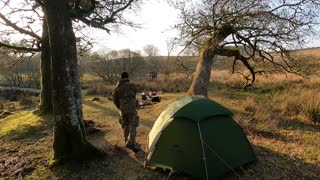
(159, 90)
(280, 116)
(284, 134)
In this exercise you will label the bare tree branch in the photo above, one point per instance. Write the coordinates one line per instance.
(19, 29)
(256, 33)
(19, 48)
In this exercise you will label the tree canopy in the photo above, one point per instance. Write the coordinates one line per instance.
(56, 22)
(252, 32)
(151, 50)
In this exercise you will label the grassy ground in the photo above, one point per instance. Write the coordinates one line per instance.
(286, 141)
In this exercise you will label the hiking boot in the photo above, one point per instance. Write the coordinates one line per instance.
(132, 147)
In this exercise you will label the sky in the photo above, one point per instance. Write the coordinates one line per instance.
(156, 18)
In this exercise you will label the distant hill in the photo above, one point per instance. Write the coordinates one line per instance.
(315, 52)
(308, 49)
(220, 63)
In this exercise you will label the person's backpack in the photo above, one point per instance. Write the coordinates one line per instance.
(155, 99)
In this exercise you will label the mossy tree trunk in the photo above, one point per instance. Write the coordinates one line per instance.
(45, 105)
(69, 134)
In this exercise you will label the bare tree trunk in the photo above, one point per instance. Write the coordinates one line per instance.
(201, 78)
(69, 133)
(45, 105)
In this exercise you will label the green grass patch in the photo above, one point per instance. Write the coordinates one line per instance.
(21, 125)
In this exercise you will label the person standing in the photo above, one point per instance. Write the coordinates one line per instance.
(124, 98)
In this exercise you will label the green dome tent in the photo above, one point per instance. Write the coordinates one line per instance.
(197, 136)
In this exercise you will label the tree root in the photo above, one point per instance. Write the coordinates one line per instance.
(89, 152)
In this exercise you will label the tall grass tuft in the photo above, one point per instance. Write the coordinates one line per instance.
(311, 110)
(257, 116)
(300, 101)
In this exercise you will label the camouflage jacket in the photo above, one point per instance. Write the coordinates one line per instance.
(124, 96)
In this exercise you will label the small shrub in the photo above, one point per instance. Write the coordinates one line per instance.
(10, 106)
(311, 111)
(25, 99)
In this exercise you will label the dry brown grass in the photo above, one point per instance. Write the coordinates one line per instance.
(301, 101)
(225, 77)
(99, 89)
(256, 117)
(278, 115)
(287, 149)
(291, 94)
(165, 85)
(313, 52)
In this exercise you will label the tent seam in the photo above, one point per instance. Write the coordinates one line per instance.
(204, 154)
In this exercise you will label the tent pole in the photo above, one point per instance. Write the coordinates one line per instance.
(210, 148)
(204, 154)
(146, 155)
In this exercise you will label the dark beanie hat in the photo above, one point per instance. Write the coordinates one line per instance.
(124, 75)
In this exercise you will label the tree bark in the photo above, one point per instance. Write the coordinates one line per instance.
(69, 133)
(201, 78)
(45, 105)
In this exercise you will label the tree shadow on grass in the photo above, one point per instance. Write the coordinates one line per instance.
(295, 124)
(267, 134)
(272, 164)
(119, 163)
(112, 112)
(146, 122)
(271, 135)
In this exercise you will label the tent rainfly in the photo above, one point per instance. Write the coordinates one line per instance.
(198, 136)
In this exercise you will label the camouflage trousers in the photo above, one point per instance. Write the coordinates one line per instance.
(129, 122)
